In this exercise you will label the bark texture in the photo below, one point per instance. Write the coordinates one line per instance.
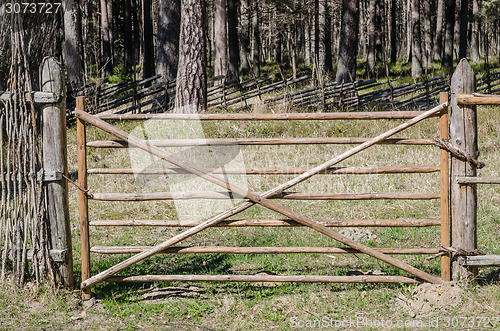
(191, 91)
(167, 38)
(348, 46)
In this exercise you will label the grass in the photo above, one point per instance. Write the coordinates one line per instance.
(242, 306)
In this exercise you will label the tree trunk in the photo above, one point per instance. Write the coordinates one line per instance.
(348, 46)
(474, 41)
(328, 42)
(450, 31)
(394, 32)
(322, 8)
(255, 39)
(232, 40)
(148, 67)
(128, 46)
(191, 91)
(438, 41)
(245, 37)
(167, 39)
(416, 58)
(464, 22)
(73, 47)
(307, 34)
(136, 21)
(426, 4)
(107, 37)
(379, 26)
(370, 56)
(220, 37)
(277, 35)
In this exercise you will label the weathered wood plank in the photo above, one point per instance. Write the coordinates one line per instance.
(480, 260)
(257, 250)
(273, 223)
(463, 135)
(478, 180)
(55, 161)
(38, 97)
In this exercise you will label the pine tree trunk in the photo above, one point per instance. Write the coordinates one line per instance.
(167, 39)
(220, 37)
(232, 39)
(450, 31)
(245, 37)
(348, 45)
(370, 56)
(438, 41)
(394, 33)
(416, 58)
(307, 34)
(277, 35)
(128, 46)
(73, 46)
(464, 22)
(107, 37)
(426, 4)
(322, 37)
(191, 90)
(137, 27)
(255, 38)
(474, 43)
(328, 42)
(379, 30)
(148, 68)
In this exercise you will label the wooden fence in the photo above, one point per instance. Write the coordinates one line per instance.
(152, 95)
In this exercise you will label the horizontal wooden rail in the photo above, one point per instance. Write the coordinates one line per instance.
(478, 99)
(257, 250)
(480, 260)
(478, 180)
(187, 195)
(37, 97)
(273, 171)
(272, 223)
(268, 117)
(265, 278)
(257, 141)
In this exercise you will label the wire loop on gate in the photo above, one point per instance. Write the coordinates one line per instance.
(458, 153)
(77, 186)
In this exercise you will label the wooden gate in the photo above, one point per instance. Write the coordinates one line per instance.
(263, 199)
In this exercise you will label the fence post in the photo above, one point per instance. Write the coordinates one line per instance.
(463, 135)
(54, 167)
(445, 189)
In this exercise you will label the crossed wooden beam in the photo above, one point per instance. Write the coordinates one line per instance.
(253, 198)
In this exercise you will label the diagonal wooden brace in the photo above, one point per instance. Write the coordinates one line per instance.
(253, 197)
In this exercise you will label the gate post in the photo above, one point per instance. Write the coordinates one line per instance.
(54, 167)
(463, 135)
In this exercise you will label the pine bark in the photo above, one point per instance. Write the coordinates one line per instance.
(73, 45)
(137, 27)
(370, 54)
(255, 38)
(394, 33)
(167, 39)
(426, 28)
(474, 42)
(348, 45)
(107, 37)
(148, 67)
(220, 37)
(191, 90)
(245, 37)
(438, 41)
(322, 8)
(232, 39)
(416, 58)
(128, 46)
(464, 21)
(450, 31)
